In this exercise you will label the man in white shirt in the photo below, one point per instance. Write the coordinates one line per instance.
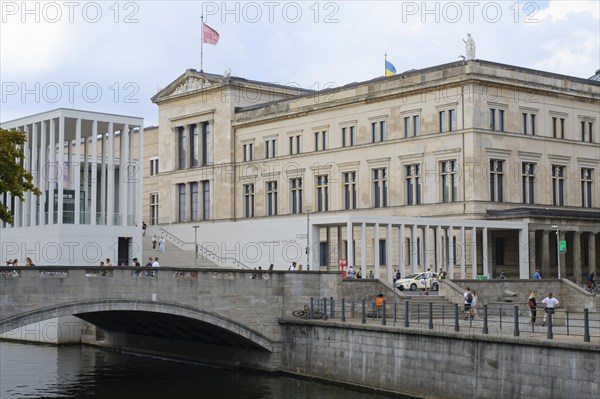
(550, 303)
(155, 263)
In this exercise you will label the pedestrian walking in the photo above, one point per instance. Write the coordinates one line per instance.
(154, 241)
(474, 303)
(161, 244)
(532, 308)
(550, 303)
(144, 229)
(537, 275)
(468, 299)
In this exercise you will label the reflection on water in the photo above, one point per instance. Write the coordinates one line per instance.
(39, 371)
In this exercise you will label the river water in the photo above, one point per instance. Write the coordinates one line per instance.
(45, 371)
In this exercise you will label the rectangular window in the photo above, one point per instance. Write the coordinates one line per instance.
(206, 154)
(248, 152)
(413, 184)
(492, 119)
(380, 188)
(270, 148)
(528, 180)
(449, 181)
(586, 187)
(323, 254)
(532, 117)
(412, 126)
(181, 189)
(153, 166)
(499, 251)
(194, 204)
(452, 119)
(416, 125)
(348, 136)
(382, 252)
(350, 190)
(378, 131)
(320, 141)
(442, 121)
(497, 119)
(295, 145)
(554, 127)
(558, 185)
(205, 200)
(586, 131)
(524, 123)
(153, 208)
(501, 120)
(496, 180)
(562, 128)
(195, 146)
(249, 200)
(182, 144)
(296, 195)
(322, 193)
(271, 198)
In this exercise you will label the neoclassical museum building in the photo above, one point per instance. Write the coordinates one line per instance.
(472, 166)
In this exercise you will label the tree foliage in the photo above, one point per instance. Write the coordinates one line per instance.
(14, 178)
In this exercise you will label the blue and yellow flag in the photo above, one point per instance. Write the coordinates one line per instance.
(389, 68)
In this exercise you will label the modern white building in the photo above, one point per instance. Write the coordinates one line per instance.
(86, 164)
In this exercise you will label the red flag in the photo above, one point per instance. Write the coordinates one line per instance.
(211, 36)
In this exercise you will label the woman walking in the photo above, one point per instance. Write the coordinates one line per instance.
(532, 308)
(474, 305)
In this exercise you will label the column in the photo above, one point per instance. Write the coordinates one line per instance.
(103, 176)
(188, 200)
(35, 171)
(524, 253)
(139, 187)
(401, 254)
(94, 178)
(426, 247)
(438, 248)
(363, 250)
(563, 257)
(413, 249)
(75, 167)
(463, 253)
(350, 244)
(376, 250)
(110, 177)
(450, 246)
(43, 175)
(576, 257)
(340, 246)
(532, 263)
(315, 249)
(388, 254)
(124, 176)
(546, 254)
(591, 252)
(474, 252)
(61, 165)
(485, 253)
(53, 172)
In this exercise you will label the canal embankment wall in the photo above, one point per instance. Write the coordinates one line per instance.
(440, 363)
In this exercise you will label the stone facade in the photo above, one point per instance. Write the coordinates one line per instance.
(469, 140)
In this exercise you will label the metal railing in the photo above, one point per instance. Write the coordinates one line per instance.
(496, 321)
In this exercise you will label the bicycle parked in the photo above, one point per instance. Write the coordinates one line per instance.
(305, 313)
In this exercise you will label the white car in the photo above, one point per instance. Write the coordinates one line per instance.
(426, 280)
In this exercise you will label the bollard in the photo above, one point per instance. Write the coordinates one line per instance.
(430, 315)
(374, 311)
(324, 308)
(443, 314)
(364, 312)
(456, 327)
(500, 311)
(485, 320)
(406, 313)
(343, 309)
(395, 314)
(418, 313)
(550, 335)
(312, 307)
(567, 312)
(383, 323)
(516, 333)
(332, 309)
(586, 326)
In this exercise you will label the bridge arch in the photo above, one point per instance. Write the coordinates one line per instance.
(171, 311)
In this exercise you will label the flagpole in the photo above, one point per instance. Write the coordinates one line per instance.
(384, 64)
(202, 44)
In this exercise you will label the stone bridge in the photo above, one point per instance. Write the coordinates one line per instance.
(214, 315)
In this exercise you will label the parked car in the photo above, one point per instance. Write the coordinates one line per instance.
(425, 280)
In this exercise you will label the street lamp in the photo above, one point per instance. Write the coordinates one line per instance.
(308, 210)
(196, 245)
(557, 248)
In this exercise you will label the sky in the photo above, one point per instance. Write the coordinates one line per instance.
(114, 56)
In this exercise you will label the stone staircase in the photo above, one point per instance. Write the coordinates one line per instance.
(175, 255)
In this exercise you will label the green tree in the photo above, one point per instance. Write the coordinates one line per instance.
(14, 179)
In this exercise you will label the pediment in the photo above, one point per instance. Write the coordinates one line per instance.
(192, 84)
